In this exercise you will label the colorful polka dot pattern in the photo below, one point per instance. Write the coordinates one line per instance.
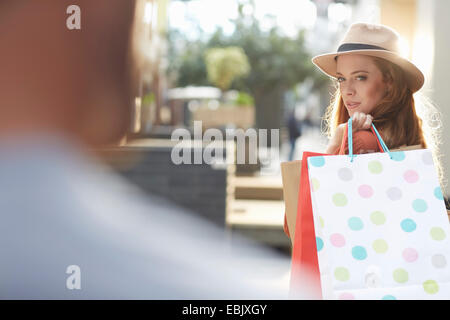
(411, 176)
(437, 233)
(365, 191)
(398, 156)
(378, 218)
(410, 254)
(337, 240)
(400, 275)
(381, 211)
(315, 184)
(342, 274)
(420, 205)
(431, 286)
(408, 225)
(359, 253)
(439, 261)
(322, 223)
(375, 167)
(317, 161)
(438, 193)
(355, 223)
(345, 174)
(340, 200)
(319, 244)
(380, 246)
(394, 194)
(346, 296)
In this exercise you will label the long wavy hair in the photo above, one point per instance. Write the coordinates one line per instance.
(401, 117)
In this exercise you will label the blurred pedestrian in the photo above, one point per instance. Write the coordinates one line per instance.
(295, 131)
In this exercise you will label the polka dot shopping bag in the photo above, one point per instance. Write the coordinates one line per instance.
(381, 225)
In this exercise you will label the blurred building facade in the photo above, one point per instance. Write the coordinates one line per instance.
(150, 47)
(422, 25)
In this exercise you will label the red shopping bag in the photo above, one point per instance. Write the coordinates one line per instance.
(304, 252)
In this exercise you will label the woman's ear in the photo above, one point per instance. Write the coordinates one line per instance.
(389, 83)
(388, 87)
(389, 78)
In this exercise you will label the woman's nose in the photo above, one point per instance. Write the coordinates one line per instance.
(348, 89)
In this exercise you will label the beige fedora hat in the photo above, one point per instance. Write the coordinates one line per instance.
(372, 40)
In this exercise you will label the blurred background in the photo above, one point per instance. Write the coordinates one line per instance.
(240, 64)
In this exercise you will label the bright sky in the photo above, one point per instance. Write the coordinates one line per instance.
(289, 15)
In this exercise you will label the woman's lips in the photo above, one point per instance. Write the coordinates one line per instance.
(352, 105)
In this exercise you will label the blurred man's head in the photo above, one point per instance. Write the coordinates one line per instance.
(53, 79)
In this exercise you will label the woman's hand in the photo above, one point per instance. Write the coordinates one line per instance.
(361, 121)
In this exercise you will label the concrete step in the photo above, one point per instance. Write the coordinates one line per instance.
(258, 188)
(256, 213)
(259, 220)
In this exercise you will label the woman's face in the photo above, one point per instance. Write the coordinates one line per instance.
(360, 82)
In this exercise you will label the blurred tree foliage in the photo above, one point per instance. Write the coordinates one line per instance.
(277, 64)
(244, 99)
(223, 65)
(186, 61)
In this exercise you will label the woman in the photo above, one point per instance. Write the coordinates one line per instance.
(375, 85)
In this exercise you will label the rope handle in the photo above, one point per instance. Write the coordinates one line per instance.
(348, 137)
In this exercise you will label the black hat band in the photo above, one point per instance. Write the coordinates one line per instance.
(357, 46)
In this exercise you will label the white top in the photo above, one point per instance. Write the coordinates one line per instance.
(59, 208)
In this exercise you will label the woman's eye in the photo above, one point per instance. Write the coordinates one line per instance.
(362, 78)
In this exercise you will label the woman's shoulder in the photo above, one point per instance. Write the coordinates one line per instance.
(365, 135)
(364, 141)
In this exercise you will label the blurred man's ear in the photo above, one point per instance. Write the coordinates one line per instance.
(54, 78)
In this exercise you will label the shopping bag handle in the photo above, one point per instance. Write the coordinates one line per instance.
(350, 140)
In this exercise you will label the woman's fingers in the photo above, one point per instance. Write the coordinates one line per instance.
(361, 121)
(368, 122)
(357, 121)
